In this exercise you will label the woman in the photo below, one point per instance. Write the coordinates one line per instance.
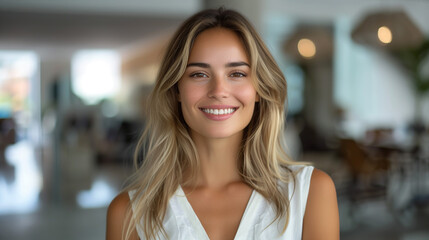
(215, 167)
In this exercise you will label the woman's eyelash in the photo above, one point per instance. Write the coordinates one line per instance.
(238, 74)
(234, 75)
(198, 74)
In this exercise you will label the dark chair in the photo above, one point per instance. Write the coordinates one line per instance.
(368, 171)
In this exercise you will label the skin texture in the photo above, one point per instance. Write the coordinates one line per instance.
(219, 197)
(210, 79)
(321, 219)
(116, 217)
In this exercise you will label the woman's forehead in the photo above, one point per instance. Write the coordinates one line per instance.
(218, 43)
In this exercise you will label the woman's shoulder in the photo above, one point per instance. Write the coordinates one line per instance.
(312, 181)
(321, 204)
(320, 179)
(314, 176)
(120, 203)
(321, 185)
(117, 215)
(118, 208)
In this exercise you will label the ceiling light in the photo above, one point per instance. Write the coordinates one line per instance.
(401, 33)
(306, 48)
(384, 34)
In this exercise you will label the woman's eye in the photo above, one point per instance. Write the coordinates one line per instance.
(199, 75)
(238, 74)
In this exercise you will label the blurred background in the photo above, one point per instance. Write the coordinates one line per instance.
(74, 76)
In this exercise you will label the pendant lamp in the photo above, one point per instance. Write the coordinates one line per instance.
(388, 29)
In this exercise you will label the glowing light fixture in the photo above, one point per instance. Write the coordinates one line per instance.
(306, 48)
(384, 34)
(402, 31)
(309, 44)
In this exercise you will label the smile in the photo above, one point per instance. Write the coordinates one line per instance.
(219, 111)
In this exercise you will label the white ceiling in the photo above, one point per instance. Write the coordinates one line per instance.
(148, 7)
(114, 23)
(66, 25)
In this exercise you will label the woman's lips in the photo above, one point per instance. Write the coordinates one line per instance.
(218, 112)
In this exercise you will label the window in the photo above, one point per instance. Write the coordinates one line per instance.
(95, 75)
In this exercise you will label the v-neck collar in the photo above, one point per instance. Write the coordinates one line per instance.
(195, 221)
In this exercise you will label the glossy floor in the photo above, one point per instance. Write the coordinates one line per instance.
(73, 220)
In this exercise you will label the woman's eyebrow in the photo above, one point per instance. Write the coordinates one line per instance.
(237, 64)
(198, 64)
(205, 65)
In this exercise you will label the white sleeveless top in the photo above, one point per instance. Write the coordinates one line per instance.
(182, 223)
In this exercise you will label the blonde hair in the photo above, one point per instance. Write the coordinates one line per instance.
(170, 149)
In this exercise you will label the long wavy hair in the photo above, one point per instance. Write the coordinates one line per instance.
(169, 150)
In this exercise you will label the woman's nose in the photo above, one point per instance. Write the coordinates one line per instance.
(218, 87)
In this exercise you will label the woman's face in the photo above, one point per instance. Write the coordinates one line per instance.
(216, 91)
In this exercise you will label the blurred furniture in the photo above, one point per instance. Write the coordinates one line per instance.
(119, 141)
(368, 172)
(408, 185)
(395, 174)
(379, 136)
(7, 138)
(77, 153)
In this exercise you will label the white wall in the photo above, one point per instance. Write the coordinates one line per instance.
(370, 85)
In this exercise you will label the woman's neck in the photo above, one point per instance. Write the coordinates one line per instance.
(218, 160)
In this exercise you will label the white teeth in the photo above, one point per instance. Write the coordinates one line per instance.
(218, 111)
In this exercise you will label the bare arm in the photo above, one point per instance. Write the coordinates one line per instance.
(117, 218)
(321, 219)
